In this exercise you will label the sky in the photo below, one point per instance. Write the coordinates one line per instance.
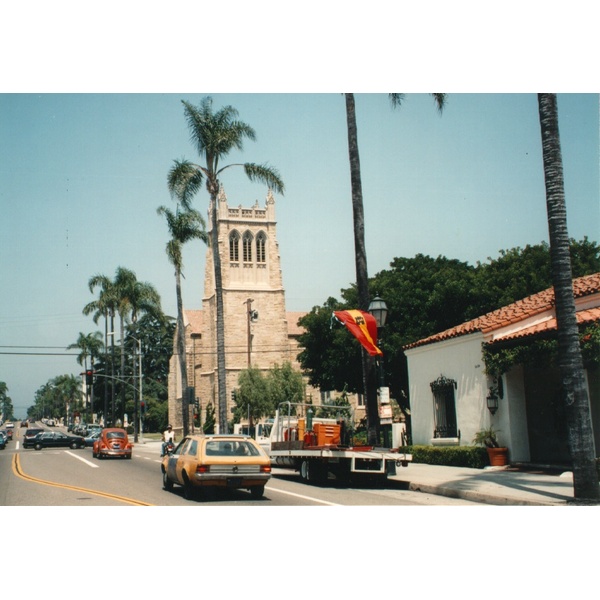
(83, 174)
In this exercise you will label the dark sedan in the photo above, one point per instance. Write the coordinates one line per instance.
(57, 439)
(30, 436)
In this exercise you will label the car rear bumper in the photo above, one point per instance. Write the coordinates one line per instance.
(231, 481)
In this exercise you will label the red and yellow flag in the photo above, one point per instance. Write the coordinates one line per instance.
(362, 326)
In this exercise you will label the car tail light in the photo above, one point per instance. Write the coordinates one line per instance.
(203, 469)
(265, 469)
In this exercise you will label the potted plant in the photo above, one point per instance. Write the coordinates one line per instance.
(497, 454)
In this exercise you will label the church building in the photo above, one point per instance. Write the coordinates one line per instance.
(259, 332)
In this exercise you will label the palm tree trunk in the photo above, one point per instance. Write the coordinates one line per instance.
(213, 188)
(574, 390)
(362, 278)
(182, 355)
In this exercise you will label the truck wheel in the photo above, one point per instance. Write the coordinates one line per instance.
(305, 471)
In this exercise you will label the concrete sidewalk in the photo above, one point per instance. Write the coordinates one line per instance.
(499, 486)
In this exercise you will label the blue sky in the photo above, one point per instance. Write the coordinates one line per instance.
(82, 175)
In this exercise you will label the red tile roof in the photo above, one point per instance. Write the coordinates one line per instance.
(520, 311)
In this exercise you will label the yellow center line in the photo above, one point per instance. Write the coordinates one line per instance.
(18, 471)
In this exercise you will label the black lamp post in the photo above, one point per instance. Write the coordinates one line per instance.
(378, 309)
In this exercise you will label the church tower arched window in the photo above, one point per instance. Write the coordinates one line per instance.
(247, 247)
(261, 247)
(234, 247)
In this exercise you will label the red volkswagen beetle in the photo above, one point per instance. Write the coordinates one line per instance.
(112, 442)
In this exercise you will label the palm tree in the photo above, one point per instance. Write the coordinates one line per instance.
(105, 306)
(183, 227)
(215, 134)
(574, 390)
(90, 345)
(360, 253)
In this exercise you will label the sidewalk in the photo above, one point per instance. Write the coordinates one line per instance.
(499, 486)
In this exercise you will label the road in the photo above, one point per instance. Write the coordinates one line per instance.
(65, 477)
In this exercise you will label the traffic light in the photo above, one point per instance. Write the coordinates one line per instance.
(142, 407)
(89, 377)
(234, 395)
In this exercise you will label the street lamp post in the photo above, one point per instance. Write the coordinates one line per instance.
(378, 309)
(137, 398)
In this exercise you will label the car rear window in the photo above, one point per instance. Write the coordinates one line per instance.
(114, 435)
(231, 448)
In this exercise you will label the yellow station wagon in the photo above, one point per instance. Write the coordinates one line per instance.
(217, 461)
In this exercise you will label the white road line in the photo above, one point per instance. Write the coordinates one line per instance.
(303, 497)
(87, 462)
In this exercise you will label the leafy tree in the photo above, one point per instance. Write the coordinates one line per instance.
(215, 135)
(252, 396)
(184, 226)
(210, 420)
(6, 410)
(574, 390)
(285, 384)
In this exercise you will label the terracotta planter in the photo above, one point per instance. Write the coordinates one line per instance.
(498, 456)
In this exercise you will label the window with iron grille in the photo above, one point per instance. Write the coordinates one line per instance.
(444, 408)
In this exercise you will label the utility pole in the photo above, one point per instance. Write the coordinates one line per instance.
(251, 317)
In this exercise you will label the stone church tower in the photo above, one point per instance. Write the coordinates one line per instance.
(258, 331)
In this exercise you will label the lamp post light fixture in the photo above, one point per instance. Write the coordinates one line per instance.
(379, 310)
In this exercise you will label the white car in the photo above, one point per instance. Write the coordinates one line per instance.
(10, 426)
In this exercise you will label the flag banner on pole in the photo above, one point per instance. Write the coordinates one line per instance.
(362, 326)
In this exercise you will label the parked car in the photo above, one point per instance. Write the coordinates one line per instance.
(2, 440)
(218, 462)
(92, 437)
(57, 439)
(91, 427)
(30, 436)
(9, 434)
(112, 441)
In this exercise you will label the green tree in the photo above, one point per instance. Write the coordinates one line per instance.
(6, 410)
(215, 135)
(362, 278)
(574, 389)
(105, 306)
(183, 226)
(252, 397)
(210, 420)
(284, 384)
(90, 345)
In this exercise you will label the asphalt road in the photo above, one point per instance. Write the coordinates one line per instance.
(66, 477)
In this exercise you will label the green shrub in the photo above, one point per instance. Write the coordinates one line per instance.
(473, 457)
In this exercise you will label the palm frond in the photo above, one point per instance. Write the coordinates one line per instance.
(396, 99)
(184, 181)
(265, 174)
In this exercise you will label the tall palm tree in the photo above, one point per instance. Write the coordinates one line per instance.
(183, 226)
(360, 253)
(215, 135)
(574, 390)
(90, 345)
(105, 306)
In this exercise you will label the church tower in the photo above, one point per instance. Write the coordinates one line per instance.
(256, 328)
